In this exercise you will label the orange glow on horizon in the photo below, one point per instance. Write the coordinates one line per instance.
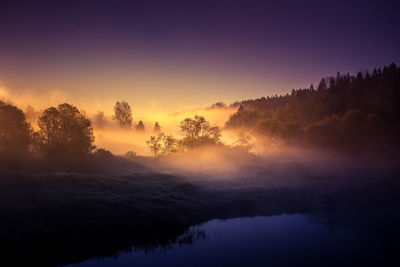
(110, 136)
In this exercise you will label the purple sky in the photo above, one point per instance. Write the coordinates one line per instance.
(195, 52)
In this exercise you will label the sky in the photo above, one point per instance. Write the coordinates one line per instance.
(173, 55)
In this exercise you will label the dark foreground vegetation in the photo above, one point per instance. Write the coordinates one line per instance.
(343, 113)
(58, 218)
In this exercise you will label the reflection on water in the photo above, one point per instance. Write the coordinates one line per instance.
(284, 240)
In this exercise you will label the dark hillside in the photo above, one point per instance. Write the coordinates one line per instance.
(352, 113)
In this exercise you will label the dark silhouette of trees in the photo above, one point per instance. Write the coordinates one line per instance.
(130, 154)
(354, 113)
(100, 119)
(123, 114)
(15, 132)
(198, 131)
(102, 154)
(218, 105)
(140, 126)
(161, 145)
(31, 115)
(157, 128)
(65, 132)
(322, 85)
(244, 139)
(243, 118)
(191, 127)
(331, 82)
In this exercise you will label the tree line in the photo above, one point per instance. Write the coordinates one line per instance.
(347, 112)
(196, 132)
(66, 135)
(123, 117)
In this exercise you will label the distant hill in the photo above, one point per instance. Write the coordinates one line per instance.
(345, 112)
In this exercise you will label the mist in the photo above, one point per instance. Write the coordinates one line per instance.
(108, 134)
(119, 141)
(92, 184)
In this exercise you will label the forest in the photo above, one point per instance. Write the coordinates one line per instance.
(344, 112)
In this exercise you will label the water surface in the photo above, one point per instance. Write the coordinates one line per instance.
(259, 241)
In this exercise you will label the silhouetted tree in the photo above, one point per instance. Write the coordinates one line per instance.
(100, 119)
(198, 131)
(65, 132)
(102, 154)
(123, 114)
(218, 105)
(161, 145)
(243, 139)
(157, 128)
(15, 132)
(31, 114)
(140, 126)
(331, 82)
(322, 85)
(130, 154)
(191, 127)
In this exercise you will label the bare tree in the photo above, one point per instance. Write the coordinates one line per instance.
(123, 114)
(199, 131)
(161, 145)
(192, 128)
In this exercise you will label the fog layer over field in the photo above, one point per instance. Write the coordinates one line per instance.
(81, 215)
(119, 141)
